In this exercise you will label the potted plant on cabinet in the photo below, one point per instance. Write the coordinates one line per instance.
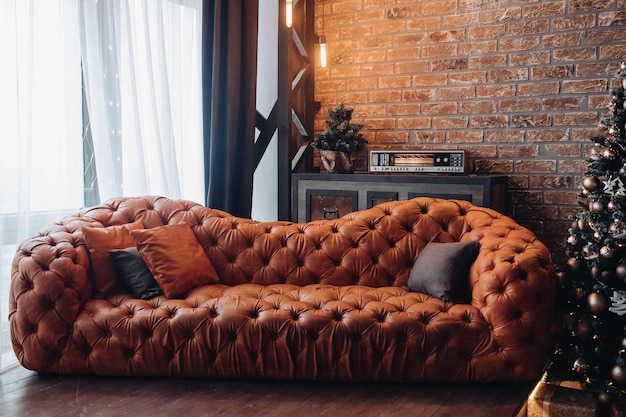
(340, 142)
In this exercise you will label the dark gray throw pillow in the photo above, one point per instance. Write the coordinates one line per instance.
(442, 270)
(134, 271)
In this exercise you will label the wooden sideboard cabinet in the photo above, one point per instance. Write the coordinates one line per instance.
(319, 196)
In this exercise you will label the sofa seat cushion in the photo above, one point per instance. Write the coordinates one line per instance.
(286, 331)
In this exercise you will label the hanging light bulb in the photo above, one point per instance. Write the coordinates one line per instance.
(323, 51)
(289, 13)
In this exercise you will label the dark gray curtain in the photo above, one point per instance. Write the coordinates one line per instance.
(229, 58)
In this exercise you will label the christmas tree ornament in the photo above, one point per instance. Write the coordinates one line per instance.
(590, 251)
(596, 153)
(584, 330)
(609, 154)
(613, 206)
(598, 303)
(591, 183)
(618, 373)
(617, 229)
(597, 206)
(574, 264)
(580, 366)
(607, 251)
(620, 271)
(582, 224)
(598, 235)
(604, 397)
(572, 240)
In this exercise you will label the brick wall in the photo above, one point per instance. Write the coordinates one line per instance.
(519, 85)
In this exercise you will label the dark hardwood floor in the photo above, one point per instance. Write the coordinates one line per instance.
(24, 394)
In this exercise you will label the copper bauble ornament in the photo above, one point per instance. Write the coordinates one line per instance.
(591, 183)
(613, 205)
(584, 330)
(572, 240)
(595, 271)
(620, 271)
(607, 252)
(574, 264)
(579, 293)
(618, 373)
(624, 343)
(604, 397)
(582, 224)
(596, 153)
(609, 154)
(597, 302)
(598, 236)
(596, 206)
(590, 251)
(580, 366)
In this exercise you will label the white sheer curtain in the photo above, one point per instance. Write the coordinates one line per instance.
(142, 70)
(40, 114)
(142, 63)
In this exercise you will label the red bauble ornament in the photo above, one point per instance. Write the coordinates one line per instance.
(597, 302)
(591, 183)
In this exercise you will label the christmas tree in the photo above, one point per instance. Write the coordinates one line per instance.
(591, 346)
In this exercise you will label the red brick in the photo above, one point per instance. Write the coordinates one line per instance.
(488, 121)
(541, 212)
(439, 50)
(564, 150)
(576, 118)
(525, 196)
(552, 72)
(544, 9)
(449, 64)
(547, 135)
(351, 97)
(375, 42)
(379, 123)
(560, 103)
(377, 69)
(526, 27)
(422, 94)
(461, 20)
(472, 136)
(394, 82)
(385, 96)
(508, 75)
(370, 56)
(424, 23)
(499, 166)
(519, 105)
(575, 166)
(457, 93)
(439, 108)
(573, 22)
(483, 106)
(450, 122)
(519, 44)
(427, 136)
(414, 123)
(538, 88)
(531, 120)
(584, 86)
(503, 15)
(535, 165)
(408, 39)
(430, 80)
(530, 58)
(560, 197)
(438, 7)
(574, 54)
(588, 5)
(392, 137)
(411, 67)
(505, 136)
(551, 181)
(563, 39)
(519, 151)
(492, 91)
(486, 32)
(403, 109)
(474, 77)
(478, 47)
(612, 18)
(447, 36)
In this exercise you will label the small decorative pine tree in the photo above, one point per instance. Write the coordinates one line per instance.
(340, 142)
(591, 347)
(340, 134)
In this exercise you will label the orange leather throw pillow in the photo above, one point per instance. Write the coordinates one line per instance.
(99, 241)
(175, 258)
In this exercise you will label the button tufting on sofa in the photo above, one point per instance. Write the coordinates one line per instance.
(328, 294)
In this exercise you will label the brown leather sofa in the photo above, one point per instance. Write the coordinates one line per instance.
(324, 300)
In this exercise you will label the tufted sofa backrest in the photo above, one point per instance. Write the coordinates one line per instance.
(375, 247)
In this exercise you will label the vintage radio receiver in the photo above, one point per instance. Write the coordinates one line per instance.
(418, 161)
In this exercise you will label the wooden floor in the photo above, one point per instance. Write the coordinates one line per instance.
(24, 393)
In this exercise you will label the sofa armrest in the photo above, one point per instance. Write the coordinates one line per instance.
(49, 283)
(514, 285)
